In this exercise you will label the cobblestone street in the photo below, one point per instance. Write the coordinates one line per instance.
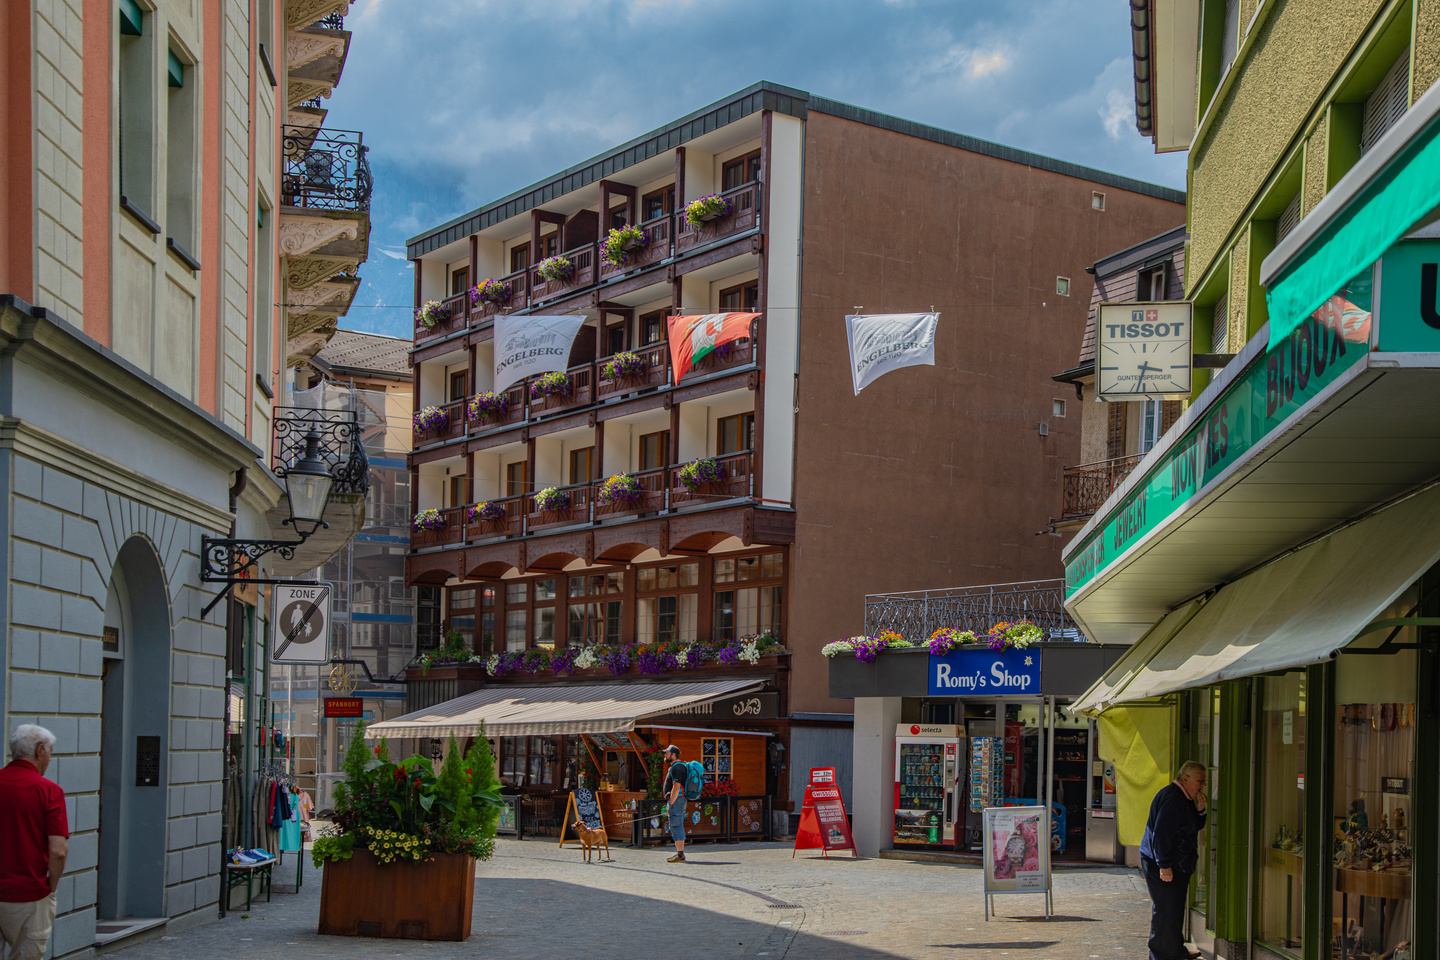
(536, 902)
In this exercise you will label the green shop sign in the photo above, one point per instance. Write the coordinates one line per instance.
(1409, 315)
(1314, 355)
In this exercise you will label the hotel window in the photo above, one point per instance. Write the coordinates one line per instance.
(655, 450)
(516, 479)
(549, 245)
(462, 614)
(740, 171)
(459, 280)
(1153, 283)
(595, 608)
(458, 491)
(519, 257)
(486, 636)
(715, 756)
(544, 613)
(668, 610)
(619, 216)
(1150, 428)
(755, 607)
(427, 618)
(1282, 809)
(741, 298)
(1289, 219)
(659, 203)
(615, 334)
(652, 328)
(516, 597)
(459, 384)
(734, 434)
(582, 465)
(264, 299)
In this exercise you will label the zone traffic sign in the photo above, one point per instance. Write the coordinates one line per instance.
(300, 623)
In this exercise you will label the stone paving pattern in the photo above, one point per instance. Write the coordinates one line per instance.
(534, 901)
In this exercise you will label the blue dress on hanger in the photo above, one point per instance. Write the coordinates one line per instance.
(290, 829)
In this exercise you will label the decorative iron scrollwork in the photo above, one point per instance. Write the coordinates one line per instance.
(233, 561)
(326, 169)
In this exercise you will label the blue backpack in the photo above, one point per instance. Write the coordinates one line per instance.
(694, 780)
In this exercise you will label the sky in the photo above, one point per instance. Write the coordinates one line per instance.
(464, 101)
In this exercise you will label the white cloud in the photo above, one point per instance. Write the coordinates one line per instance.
(1118, 114)
(984, 63)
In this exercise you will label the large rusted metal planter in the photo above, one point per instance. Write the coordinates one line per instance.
(429, 900)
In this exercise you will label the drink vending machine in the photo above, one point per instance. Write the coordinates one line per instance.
(929, 765)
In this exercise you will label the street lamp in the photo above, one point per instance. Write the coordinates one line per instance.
(308, 484)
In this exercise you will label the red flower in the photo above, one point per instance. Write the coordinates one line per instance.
(467, 771)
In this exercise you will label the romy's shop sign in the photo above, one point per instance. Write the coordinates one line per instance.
(981, 672)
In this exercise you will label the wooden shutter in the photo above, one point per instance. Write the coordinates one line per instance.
(1169, 413)
(1115, 442)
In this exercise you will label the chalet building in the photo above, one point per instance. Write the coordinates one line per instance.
(930, 476)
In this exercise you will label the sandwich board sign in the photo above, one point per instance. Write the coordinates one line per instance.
(300, 623)
(823, 823)
(1017, 854)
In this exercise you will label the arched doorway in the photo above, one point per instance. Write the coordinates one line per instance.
(135, 721)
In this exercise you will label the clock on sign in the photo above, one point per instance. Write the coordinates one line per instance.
(1143, 350)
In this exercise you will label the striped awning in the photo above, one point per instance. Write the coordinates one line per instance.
(554, 709)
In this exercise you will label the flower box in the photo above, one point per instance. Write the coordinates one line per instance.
(428, 900)
(706, 209)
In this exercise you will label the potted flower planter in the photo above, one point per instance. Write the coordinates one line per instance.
(428, 900)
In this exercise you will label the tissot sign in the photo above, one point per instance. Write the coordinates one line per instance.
(1143, 350)
(985, 672)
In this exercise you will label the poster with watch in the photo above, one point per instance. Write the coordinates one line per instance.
(1143, 350)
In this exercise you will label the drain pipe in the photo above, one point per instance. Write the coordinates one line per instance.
(227, 772)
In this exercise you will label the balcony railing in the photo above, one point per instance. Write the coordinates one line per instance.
(656, 358)
(1089, 485)
(660, 493)
(325, 170)
(340, 444)
(916, 614)
(331, 21)
(670, 235)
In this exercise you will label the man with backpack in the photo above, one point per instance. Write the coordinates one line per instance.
(685, 781)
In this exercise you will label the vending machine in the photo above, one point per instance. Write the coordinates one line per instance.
(929, 764)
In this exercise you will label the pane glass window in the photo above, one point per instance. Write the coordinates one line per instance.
(515, 630)
(545, 627)
(1371, 808)
(772, 566)
(724, 615)
(544, 589)
(516, 592)
(487, 597)
(1282, 808)
(645, 613)
(748, 568)
(487, 633)
(577, 586)
(769, 610)
(666, 615)
(462, 599)
(725, 571)
(645, 579)
(615, 582)
(716, 757)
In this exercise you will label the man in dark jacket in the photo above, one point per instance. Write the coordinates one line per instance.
(1167, 858)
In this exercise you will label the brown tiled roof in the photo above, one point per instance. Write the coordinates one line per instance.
(369, 352)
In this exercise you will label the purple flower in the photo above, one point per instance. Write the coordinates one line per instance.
(564, 661)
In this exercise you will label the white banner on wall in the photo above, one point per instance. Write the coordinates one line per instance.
(527, 346)
(882, 342)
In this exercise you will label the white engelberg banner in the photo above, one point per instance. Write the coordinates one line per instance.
(882, 342)
(526, 346)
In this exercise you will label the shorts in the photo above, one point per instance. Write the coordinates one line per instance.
(677, 819)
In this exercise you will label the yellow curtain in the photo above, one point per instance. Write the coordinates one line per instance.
(1136, 738)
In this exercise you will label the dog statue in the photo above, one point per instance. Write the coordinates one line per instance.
(590, 838)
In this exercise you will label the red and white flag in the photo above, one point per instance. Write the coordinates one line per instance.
(693, 338)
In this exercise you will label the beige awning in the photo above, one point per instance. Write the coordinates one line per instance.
(1301, 609)
(540, 711)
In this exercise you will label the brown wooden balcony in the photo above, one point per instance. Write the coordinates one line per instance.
(578, 510)
(736, 481)
(583, 259)
(455, 320)
(661, 231)
(1089, 485)
(744, 215)
(452, 532)
(514, 411)
(582, 379)
(737, 353)
(653, 486)
(453, 430)
(656, 373)
(519, 284)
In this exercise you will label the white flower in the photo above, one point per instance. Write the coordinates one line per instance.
(683, 657)
(492, 664)
(750, 652)
(587, 658)
(839, 647)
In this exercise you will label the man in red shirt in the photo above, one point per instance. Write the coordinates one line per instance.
(34, 834)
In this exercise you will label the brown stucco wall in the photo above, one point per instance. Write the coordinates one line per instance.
(935, 476)
(1301, 46)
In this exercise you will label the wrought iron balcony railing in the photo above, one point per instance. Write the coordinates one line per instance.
(331, 21)
(1088, 485)
(326, 169)
(916, 614)
(340, 445)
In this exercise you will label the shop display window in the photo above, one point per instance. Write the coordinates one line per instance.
(1205, 748)
(1282, 810)
(1371, 812)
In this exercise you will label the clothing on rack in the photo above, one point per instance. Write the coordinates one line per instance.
(290, 830)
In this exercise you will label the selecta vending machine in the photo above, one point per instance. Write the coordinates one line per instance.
(929, 762)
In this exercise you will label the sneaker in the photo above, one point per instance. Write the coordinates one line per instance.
(678, 858)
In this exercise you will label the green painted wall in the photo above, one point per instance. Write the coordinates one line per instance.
(1272, 100)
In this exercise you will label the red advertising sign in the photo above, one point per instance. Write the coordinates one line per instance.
(823, 823)
(344, 708)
